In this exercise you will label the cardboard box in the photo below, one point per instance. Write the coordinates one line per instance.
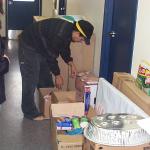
(45, 101)
(126, 84)
(60, 141)
(92, 146)
(64, 103)
(70, 107)
(119, 77)
(86, 80)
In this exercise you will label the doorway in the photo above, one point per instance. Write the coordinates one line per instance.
(118, 37)
(20, 14)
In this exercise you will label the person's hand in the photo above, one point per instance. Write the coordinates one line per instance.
(59, 81)
(73, 69)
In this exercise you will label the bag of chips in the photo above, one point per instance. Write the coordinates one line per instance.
(143, 77)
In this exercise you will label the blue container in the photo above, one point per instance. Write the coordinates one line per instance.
(87, 96)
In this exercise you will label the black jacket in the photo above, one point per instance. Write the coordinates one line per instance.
(50, 38)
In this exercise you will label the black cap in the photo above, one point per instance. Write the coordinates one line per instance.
(86, 30)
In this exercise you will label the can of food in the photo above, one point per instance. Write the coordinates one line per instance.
(75, 122)
(83, 122)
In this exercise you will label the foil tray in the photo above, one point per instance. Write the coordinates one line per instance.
(116, 130)
(116, 121)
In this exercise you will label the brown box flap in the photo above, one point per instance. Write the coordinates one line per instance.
(63, 97)
(67, 109)
(65, 103)
(44, 91)
(125, 82)
(136, 95)
(119, 77)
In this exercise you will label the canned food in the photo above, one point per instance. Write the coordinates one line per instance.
(75, 122)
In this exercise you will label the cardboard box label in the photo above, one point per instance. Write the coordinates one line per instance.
(69, 147)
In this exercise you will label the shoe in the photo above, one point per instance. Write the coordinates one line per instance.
(39, 118)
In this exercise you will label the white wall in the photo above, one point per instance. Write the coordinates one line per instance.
(93, 10)
(3, 20)
(74, 7)
(47, 8)
(142, 35)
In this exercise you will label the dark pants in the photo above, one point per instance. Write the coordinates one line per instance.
(35, 73)
(2, 89)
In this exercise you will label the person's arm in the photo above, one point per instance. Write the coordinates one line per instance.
(59, 81)
(66, 56)
(53, 63)
(73, 69)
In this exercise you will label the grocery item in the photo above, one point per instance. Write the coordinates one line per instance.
(143, 77)
(75, 122)
(83, 122)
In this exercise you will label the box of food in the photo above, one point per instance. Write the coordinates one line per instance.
(64, 105)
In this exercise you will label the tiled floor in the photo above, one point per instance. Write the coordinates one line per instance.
(17, 133)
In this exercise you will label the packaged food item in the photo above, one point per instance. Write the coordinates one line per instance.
(75, 122)
(87, 96)
(83, 121)
(143, 77)
(64, 124)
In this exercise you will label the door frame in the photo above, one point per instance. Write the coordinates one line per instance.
(40, 12)
(105, 50)
(107, 23)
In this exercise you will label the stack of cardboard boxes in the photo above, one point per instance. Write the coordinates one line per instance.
(66, 103)
(84, 80)
(55, 104)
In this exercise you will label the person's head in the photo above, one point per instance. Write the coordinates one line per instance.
(82, 31)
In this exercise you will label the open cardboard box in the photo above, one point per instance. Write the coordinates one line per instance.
(45, 101)
(61, 141)
(64, 103)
